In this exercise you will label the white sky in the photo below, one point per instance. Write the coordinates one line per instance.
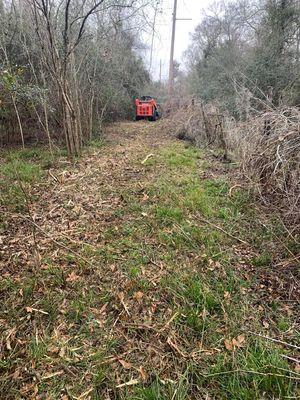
(185, 9)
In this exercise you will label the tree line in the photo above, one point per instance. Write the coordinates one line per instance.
(246, 54)
(66, 66)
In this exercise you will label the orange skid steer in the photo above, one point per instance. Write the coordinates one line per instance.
(146, 108)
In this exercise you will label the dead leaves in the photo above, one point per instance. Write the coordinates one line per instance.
(227, 297)
(121, 297)
(235, 343)
(30, 390)
(10, 336)
(72, 277)
(143, 374)
(138, 296)
(142, 322)
(265, 324)
(125, 364)
(239, 341)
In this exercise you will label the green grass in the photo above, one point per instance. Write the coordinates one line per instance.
(168, 216)
(254, 370)
(96, 143)
(262, 260)
(199, 287)
(17, 176)
(19, 171)
(38, 154)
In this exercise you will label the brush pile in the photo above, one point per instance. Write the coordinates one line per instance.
(267, 147)
(198, 123)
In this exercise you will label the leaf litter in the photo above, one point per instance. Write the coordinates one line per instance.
(87, 308)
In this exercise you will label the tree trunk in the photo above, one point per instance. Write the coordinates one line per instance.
(19, 120)
(70, 122)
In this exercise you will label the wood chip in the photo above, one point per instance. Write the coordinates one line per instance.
(125, 364)
(52, 375)
(31, 309)
(129, 383)
(175, 348)
(85, 394)
(147, 158)
(138, 296)
(143, 374)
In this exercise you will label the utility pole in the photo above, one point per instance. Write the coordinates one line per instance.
(171, 66)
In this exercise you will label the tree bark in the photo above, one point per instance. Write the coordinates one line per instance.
(19, 119)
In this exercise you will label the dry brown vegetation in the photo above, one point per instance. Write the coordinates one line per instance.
(266, 146)
(269, 147)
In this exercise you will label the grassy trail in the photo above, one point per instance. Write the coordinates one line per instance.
(142, 272)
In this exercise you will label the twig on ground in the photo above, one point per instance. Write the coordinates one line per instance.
(232, 188)
(129, 383)
(85, 394)
(274, 340)
(112, 359)
(170, 320)
(244, 371)
(121, 298)
(141, 327)
(291, 358)
(206, 221)
(147, 158)
(55, 241)
(175, 348)
(49, 376)
(53, 176)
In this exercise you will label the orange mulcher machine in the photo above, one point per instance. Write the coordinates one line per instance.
(146, 108)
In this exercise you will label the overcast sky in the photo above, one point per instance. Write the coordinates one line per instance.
(186, 9)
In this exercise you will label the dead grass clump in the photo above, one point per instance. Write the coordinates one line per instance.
(198, 123)
(269, 149)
